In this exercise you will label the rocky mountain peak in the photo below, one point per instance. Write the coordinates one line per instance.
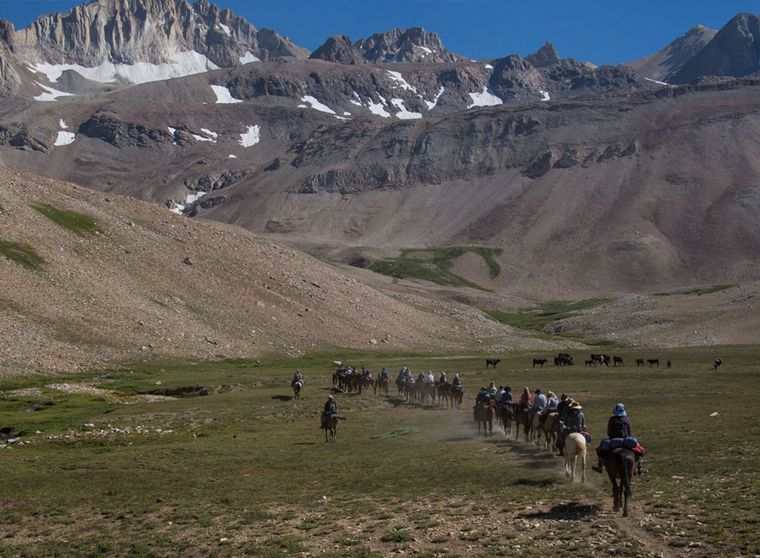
(733, 51)
(6, 34)
(338, 49)
(414, 45)
(152, 31)
(545, 56)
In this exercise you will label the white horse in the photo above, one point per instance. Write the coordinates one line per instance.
(575, 446)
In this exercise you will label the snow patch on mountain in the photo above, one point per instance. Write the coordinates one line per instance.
(223, 95)
(50, 94)
(225, 29)
(316, 105)
(249, 57)
(65, 138)
(432, 104)
(544, 95)
(402, 113)
(484, 99)
(399, 79)
(183, 64)
(251, 137)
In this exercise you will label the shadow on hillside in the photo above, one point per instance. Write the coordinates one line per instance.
(282, 397)
(535, 482)
(572, 510)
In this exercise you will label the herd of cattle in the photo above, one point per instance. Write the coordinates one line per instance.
(566, 359)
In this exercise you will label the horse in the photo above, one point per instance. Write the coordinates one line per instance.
(619, 464)
(485, 414)
(589, 363)
(549, 429)
(297, 387)
(653, 362)
(456, 395)
(617, 360)
(575, 447)
(507, 414)
(492, 362)
(639, 362)
(382, 384)
(522, 417)
(717, 363)
(331, 427)
(539, 361)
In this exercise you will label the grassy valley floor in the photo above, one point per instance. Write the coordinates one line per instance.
(114, 464)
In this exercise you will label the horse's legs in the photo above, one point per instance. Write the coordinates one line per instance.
(583, 465)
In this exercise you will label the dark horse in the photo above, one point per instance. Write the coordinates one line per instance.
(492, 362)
(619, 465)
(297, 387)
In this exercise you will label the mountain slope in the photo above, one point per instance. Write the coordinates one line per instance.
(663, 65)
(733, 51)
(138, 281)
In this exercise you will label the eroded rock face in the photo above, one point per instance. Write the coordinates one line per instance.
(151, 31)
(26, 137)
(110, 128)
(545, 56)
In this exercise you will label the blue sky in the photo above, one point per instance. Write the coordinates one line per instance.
(601, 31)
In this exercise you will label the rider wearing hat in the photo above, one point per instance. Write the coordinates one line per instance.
(330, 408)
(575, 422)
(618, 426)
(539, 403)
(524, 401)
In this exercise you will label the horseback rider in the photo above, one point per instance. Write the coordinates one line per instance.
(575, 422)
(297, 377)
(330, 408)
(430, 378)
(506, 397)
(539, 403)
(492, 390)
(618, 427)
(365, 372)
(384, 374)
(482, 395)
(456, 382)
(442, 379)
(525, 399)
(499, 394)
(551, 406)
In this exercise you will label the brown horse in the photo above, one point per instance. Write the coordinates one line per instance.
(619, 464)
(549, 428)
(522, 418)
(297, 388)
(456, 395)
(485, 414)
(330, 426)
(382, 384)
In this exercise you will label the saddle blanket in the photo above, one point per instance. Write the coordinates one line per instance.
(629, 442)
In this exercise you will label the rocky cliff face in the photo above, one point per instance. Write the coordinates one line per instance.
(9, 79)
(130, 31)
(733, 51)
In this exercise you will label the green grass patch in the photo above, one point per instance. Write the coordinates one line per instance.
(434, 264)
(22, 254)
(698, 291)
(536, 319)
(79, 224)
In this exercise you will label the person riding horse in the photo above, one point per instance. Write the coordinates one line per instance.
(442, 379)
(384, 374)
(506, 397)
(491, 389)
(539, 404)
(456, 383)
(330, 408)
(618, 428)
(297, 377)
(524, 401)
(576, 422)
(551, 406)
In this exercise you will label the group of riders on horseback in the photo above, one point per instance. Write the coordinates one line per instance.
(568, 415)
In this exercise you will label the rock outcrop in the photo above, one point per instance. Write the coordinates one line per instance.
(110, 128)
(338, 49)
(545, 56)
